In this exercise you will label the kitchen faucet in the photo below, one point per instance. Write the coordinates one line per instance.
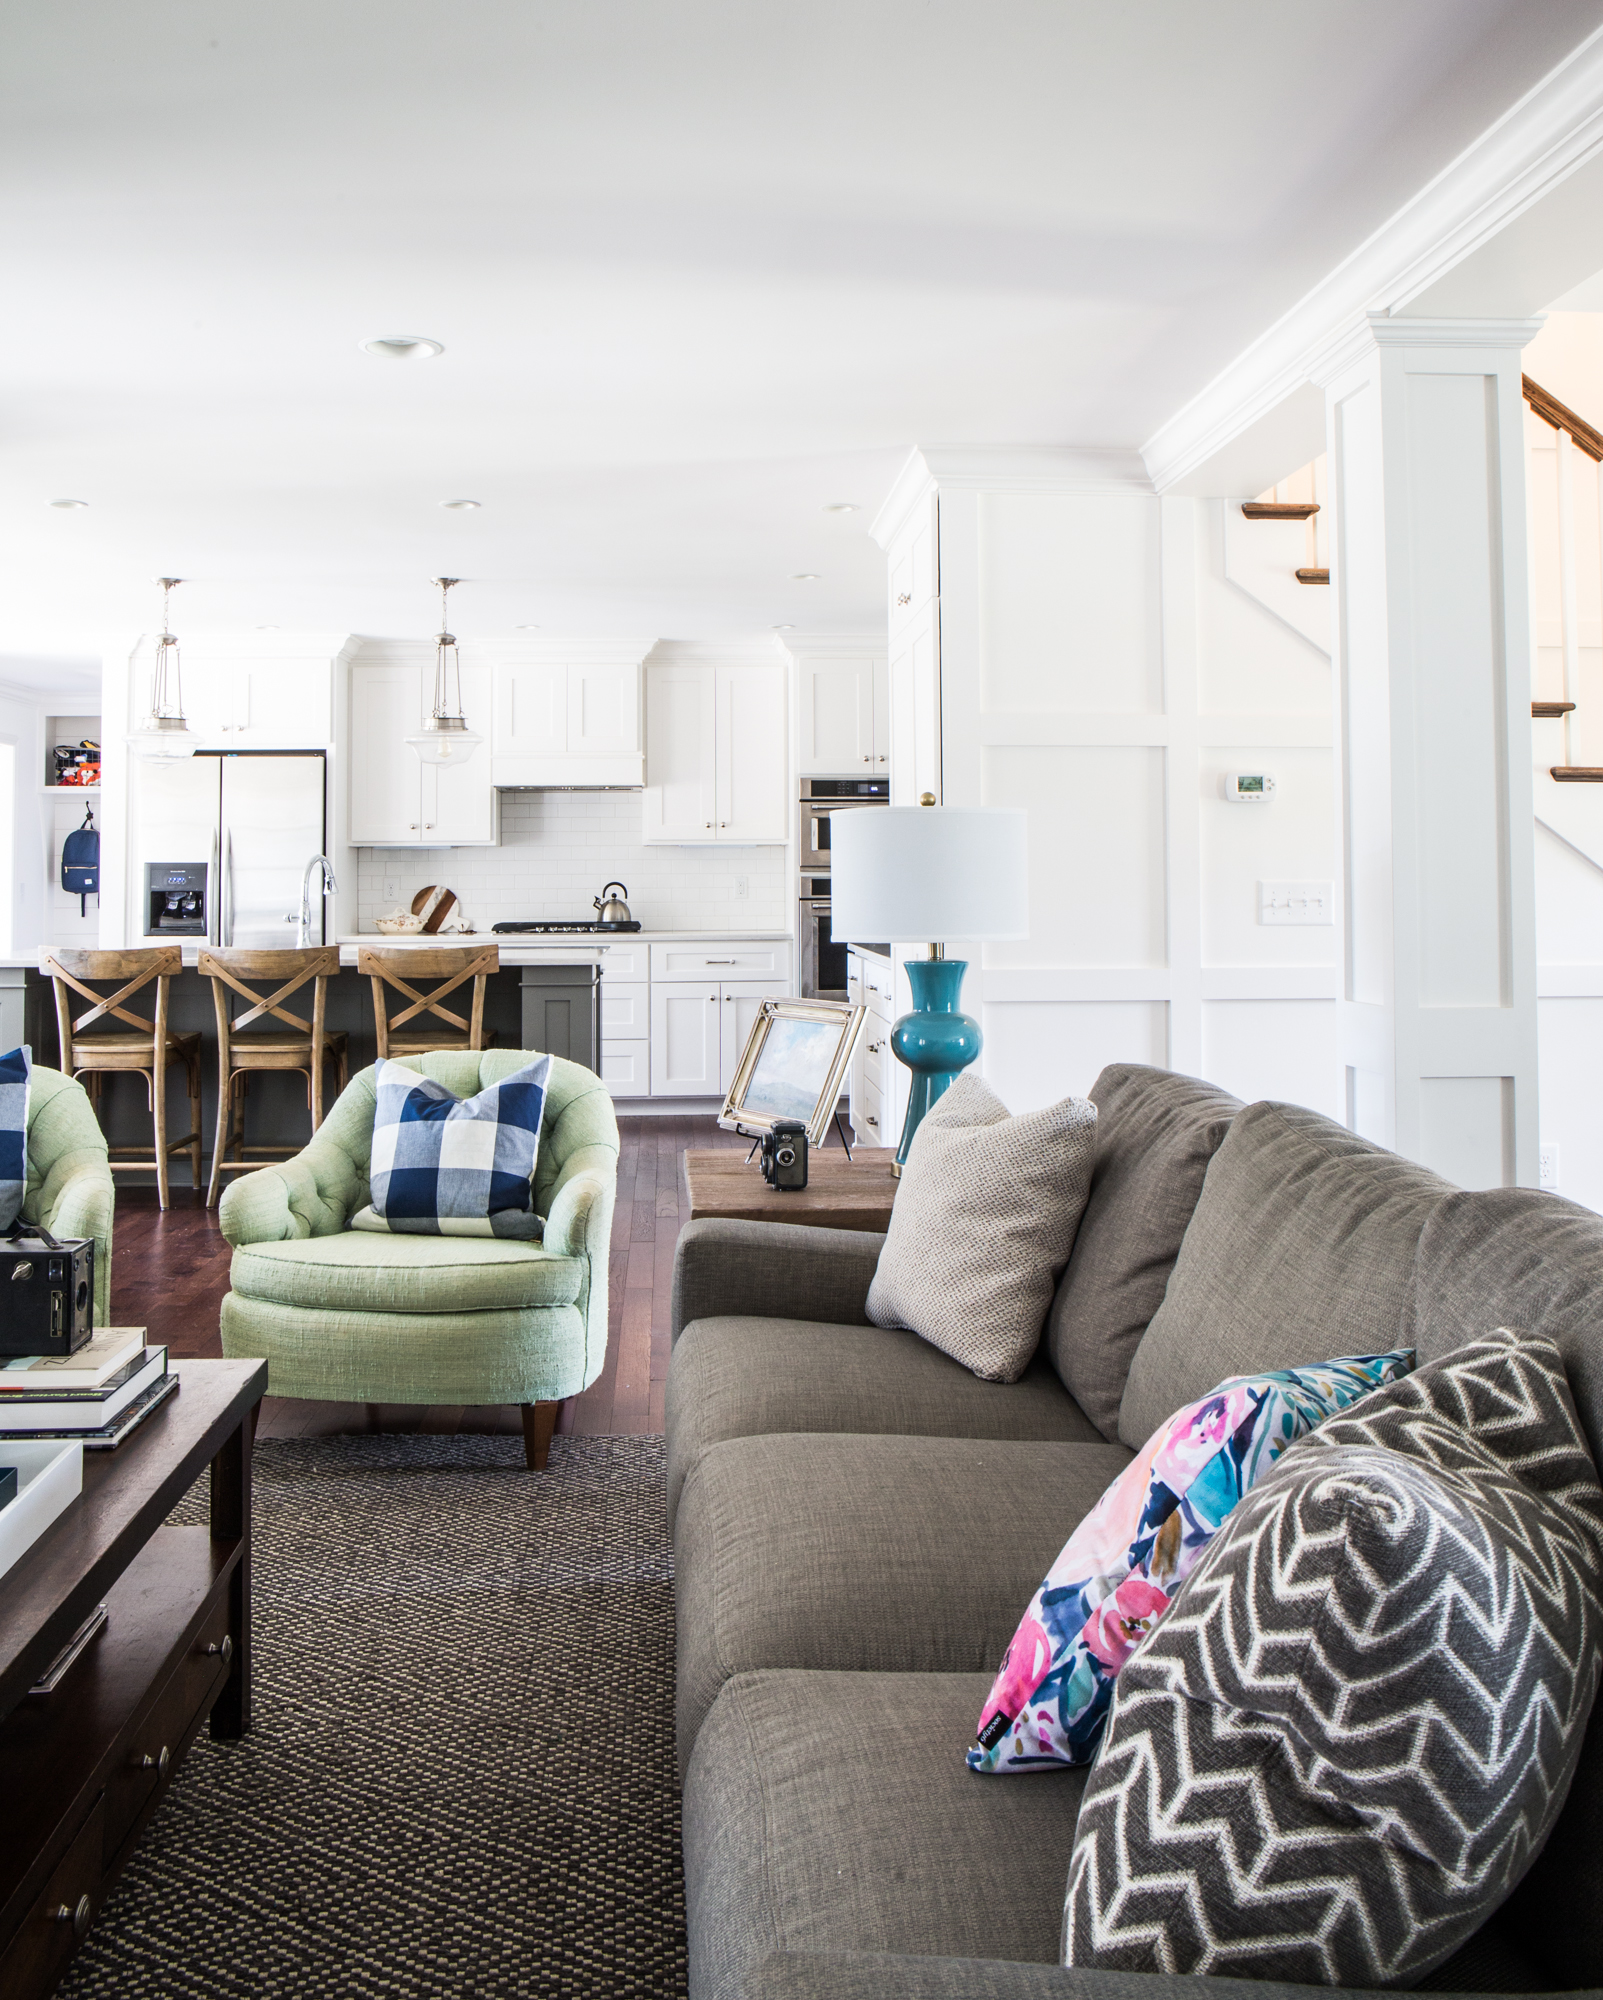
(303, 936)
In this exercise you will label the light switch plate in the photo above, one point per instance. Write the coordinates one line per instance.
(1296, 902)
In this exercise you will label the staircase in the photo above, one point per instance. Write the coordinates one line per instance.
(1275, 508)
(1574, 434)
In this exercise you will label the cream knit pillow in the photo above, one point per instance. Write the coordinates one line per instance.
(983, 1225)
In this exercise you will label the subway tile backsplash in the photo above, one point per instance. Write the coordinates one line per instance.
(557, 851)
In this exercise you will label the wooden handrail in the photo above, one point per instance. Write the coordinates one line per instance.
(1562, 418)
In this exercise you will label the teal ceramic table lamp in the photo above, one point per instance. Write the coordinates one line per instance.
(914, 874)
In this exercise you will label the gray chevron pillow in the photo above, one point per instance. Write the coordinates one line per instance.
(1354, 1729)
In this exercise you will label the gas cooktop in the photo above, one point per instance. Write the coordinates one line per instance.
(590, 924)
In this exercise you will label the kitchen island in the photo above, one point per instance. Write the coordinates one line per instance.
(545, 996)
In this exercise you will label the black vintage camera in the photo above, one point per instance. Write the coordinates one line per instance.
(47, 1293)
(785, 1154)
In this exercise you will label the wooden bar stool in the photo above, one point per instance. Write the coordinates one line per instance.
(303, 1045)
(146, 1046)
(449, 969)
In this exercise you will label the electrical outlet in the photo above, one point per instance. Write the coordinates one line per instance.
(392, 889)
(1296, 902)
(1547, 1168)
(742, 887)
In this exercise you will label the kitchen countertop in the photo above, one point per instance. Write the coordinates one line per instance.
(563, 948)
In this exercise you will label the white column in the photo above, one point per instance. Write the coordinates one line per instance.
(1433, 686)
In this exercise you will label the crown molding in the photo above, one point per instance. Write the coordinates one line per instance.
(759, 649)
(1538, 143)
(513, 649)
(983, 468)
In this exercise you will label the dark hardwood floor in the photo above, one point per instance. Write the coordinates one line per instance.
(169, 1273)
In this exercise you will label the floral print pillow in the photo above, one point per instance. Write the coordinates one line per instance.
(1122, 1565)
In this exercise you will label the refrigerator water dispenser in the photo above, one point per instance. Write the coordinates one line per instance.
(175, 899)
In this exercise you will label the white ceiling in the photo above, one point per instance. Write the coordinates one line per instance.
(700, 269)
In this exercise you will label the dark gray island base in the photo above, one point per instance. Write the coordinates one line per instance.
(552, 1008)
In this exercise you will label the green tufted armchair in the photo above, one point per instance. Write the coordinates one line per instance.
(70, 1188)
(356, 1316)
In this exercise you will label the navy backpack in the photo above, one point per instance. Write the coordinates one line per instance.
(80, 862)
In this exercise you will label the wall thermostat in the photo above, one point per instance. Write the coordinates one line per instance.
(1249, 788)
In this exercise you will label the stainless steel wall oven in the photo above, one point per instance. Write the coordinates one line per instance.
(821, 959)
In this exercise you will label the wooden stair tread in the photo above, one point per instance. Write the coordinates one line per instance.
(1578, 774)
(1550, 711)
(1279, 510)
(1313, 576)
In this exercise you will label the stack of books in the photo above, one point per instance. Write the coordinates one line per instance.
(98, 1396)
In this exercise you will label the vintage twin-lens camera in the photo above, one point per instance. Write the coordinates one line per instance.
(785, 1154)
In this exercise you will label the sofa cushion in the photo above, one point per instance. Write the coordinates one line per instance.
(984, 1221)
(746, 1376)
(1514, 1257)
(1120, 1570)
(1302, 1245)
(1155, 1134)
(865, 1553)
(358, 1271)
(826, 1812)
(1340, 1751)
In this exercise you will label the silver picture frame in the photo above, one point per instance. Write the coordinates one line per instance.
(794, 1065)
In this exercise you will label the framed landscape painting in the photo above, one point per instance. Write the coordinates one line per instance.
(793, 1066)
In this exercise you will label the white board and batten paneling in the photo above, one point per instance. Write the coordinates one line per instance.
(716, 746)
(1062, 639)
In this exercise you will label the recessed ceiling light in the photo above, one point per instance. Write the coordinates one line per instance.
(462, 506)
(69, 504)
(806, 576)
(267, 628)
(784, 628)
(525, 628)
(841, 507)
(402, 347)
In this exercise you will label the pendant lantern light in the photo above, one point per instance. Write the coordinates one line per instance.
(446, 738)
(165, 732)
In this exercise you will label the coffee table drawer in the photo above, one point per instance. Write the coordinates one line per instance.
(56, 1925)
(168, 1727)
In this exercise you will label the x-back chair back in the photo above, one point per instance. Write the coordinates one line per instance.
(298, 1045)
(450, 970)
(140, 1044)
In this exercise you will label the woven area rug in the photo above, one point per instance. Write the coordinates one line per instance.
(460, 1776)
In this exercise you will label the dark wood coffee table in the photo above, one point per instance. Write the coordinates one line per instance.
(840, 1194)
(86, 1765)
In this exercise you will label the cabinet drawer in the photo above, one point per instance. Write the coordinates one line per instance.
(735, 960)
(35, 1959)
(169, 1726)
(626, 1067)
(868, 1116)
(625, 1010)
(625, 961)
(874, 1056)
(879, 981)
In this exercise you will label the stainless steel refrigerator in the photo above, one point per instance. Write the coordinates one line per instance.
(253, 819)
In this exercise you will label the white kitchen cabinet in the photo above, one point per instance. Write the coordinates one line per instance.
(625, 1009)
(731, 958)
(913, 565)
(715, 753)
(626, 1067)
(914, 705)
(872, 1087)
(843, 709)
(567, 723)
(684, 1039)
(259, 704)
(396, 800)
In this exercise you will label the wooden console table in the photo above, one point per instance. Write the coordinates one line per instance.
(840, 1194)
(85, 1766)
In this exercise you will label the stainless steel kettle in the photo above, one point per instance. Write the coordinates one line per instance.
(612, 909)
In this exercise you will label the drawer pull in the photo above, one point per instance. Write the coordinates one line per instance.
(77, 1914)
(720, 961)
(224, 1652)
(875, 1047)
(904, 599)
(159, 1765)
(873, 1121)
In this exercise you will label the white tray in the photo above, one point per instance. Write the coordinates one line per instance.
(49, 1479)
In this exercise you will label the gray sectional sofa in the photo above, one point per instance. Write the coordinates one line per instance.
(859, 1523)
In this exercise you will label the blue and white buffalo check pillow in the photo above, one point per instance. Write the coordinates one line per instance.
(455, 1166)
(15, 1070)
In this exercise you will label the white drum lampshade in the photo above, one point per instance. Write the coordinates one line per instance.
(926, 874)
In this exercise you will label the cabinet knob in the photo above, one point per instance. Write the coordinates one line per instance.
(875, 1047)
(905, 599)
(709, 823)
(76, 1914)
(428, 826)
(712, 999)
(411, 826)
(868, 760)
(872, 1119)
(723, 822)
(882, 757)
(157, 1764)
(224, 1652)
